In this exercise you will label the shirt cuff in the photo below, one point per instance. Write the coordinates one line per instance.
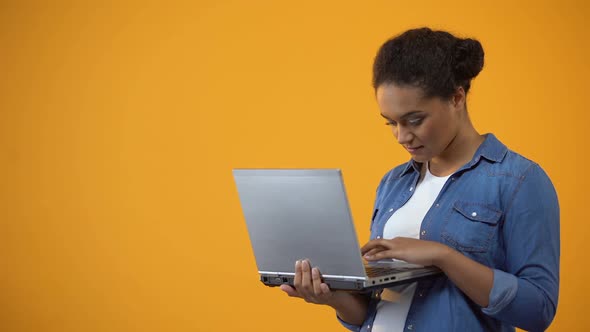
(503, 292)
(351, 327)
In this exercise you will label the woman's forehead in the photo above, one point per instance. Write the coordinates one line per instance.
(398, 101)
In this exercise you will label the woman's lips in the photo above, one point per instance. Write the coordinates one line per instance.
(414, 149)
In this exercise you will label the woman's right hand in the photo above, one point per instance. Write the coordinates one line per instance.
(350, 307)
(308, 285)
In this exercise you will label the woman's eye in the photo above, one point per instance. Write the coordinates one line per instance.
(415, 122)
(390, 123)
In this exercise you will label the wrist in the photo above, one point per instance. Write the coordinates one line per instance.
(339, 300)
(444, 254)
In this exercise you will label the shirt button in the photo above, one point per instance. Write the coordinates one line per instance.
(423, 233)
(474, 214)
(437, 205)
(378, 236)
(410, 327)
(411, 188)
(390, 210)
(420, 294)
(452, 179)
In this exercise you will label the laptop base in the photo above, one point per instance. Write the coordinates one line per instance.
(349, 285)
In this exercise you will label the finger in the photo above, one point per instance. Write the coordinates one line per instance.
(289, 290)
(317, 281)
(297, 279)
(306, 286)
(374, 244)
(373, 251)
(382, 255)
(325, 289)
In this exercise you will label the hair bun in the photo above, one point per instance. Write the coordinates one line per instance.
(468, 61)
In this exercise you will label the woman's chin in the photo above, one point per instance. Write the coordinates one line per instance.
(420, 158)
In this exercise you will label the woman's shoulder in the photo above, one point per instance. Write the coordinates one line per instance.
(516, 165)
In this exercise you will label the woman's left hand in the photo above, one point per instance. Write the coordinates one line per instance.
(414, 251)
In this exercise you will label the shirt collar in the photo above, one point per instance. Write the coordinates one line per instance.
(491, 149)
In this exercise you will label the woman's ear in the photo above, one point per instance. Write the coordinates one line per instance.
(458, 98)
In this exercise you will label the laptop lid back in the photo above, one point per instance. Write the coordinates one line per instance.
(296, 214)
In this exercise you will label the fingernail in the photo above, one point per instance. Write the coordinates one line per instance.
(297, 263)
(315, 272)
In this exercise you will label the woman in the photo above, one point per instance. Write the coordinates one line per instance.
(483, 214)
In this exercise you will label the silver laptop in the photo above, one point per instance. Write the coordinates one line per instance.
(294, 214)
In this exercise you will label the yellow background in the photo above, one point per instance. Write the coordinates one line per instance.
(120, 124)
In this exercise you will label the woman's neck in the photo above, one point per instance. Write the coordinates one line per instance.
(458, 152)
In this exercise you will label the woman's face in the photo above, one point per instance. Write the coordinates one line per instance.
(423, 126)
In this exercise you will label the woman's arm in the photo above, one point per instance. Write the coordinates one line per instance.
(473, 278)
(525, 291)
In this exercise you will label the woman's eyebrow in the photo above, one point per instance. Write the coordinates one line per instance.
(405, 116)
(386, 118)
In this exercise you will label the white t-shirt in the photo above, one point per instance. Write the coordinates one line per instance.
(395, 302)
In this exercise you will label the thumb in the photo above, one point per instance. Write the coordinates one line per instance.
(289, 290)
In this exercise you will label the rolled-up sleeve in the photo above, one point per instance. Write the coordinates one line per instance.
(355, 328)
(503, 292)
(525, 293)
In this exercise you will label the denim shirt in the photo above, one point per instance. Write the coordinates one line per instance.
(500, 210)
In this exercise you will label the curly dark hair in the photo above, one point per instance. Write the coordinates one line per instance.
(435, 61)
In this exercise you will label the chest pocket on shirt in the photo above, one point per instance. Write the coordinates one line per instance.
(471, 226)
